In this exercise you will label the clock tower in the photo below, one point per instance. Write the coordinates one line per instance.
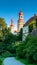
(20, 21)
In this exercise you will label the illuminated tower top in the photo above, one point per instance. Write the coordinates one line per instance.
(21, 15)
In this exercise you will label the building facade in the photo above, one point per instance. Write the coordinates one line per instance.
(29, 26)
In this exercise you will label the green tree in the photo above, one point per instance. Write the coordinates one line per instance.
(20, 35)
(3, 24)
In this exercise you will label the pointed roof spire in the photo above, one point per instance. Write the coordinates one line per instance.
(12, 22)
(21, 13)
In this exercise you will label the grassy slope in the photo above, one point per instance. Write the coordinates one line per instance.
(24, 61)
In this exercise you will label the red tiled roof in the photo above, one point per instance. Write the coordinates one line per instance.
(30, 20)
(12, 25)
(21, 13)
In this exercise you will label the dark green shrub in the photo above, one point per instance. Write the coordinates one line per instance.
(11, 48)
(30, 47)
(6, 54)
(1, 61)
(35, 55)
(20, 50)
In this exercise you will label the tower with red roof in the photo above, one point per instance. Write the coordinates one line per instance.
(12, 26)
(20, 21)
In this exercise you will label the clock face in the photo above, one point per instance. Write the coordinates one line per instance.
(21, 16)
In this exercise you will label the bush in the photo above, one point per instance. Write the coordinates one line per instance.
(20, 50)
(1, 61)
(6, 54)
(28, 49)
(35, 56)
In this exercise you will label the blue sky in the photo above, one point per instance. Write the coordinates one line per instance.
(10, 9)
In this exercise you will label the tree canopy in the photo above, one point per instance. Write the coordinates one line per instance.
(3, 24)
(20, 35)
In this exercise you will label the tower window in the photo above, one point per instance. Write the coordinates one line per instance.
(21, 16)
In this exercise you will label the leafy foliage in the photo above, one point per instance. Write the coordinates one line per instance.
(20, 35)
(28, 49)
(30, 28)
(6, 54)
(3, 26)
(2, 23)
(36, 22)
(1, 62)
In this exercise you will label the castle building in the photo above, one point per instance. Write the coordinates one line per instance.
(12, 26)
(20, 21)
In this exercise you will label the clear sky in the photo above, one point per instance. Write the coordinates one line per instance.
(10, 9)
